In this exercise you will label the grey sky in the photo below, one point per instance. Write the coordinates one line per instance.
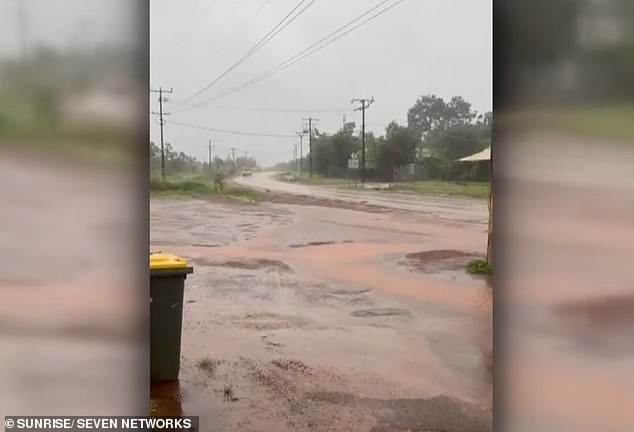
(418, 47)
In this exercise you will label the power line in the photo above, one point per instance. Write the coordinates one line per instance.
(310, 143)
(257, 11)
(228, 19)
(281, 110)
(317, 46)
(243, 24)
(232, 132)
(301, 150)
(199, 23)
(281, 25)
(162, 122)
(212, 4)
(365, 104)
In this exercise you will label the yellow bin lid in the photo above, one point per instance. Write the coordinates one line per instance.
(165, 261)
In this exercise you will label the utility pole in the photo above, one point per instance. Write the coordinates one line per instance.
(161, 114)
(310, 144)
(210, 158)
(301, 155)
(365, 103)
(233, 156)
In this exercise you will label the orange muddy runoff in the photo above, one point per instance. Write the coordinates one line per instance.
(309, 316)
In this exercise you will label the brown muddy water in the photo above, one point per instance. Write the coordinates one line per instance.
(309, 317)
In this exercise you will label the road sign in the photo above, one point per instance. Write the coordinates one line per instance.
(425, 153)
(353, 163)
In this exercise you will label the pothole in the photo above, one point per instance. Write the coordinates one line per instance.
(250, 264)
(380, 312)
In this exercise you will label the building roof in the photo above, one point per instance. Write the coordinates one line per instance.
(480, 156)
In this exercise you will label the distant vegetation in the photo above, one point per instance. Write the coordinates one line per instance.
(437, 134)
(179, 163)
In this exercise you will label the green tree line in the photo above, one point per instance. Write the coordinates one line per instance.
(181, 163)
(437, 134)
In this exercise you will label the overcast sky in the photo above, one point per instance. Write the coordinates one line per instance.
(417, 47)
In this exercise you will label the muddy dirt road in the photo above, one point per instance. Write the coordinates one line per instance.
(446, 208)
(325, 317)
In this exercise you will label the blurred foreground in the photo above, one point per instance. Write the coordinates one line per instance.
(564, 238)
(74, 204)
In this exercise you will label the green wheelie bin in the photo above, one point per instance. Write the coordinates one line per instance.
(167, 282)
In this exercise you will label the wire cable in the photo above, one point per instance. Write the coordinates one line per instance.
(245, 23)
(282, 110)
(232, 132)
(231, 15)
(317, 46)
(281, 25)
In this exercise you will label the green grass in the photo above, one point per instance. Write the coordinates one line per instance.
(426, 187)
(437, 187)
(479, 266)
(613, 122)
(182, 185)
(98, 144)
(316, 180)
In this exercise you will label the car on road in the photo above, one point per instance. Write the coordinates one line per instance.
(246, 173)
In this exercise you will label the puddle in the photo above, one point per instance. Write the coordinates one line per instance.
(318, 243)
(601, 326)
(245, 264)
(165, 399)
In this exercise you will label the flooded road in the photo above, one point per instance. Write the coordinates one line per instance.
(323, 316)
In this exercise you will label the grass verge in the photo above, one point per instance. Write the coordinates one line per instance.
(315, 180)
(612, 122)
(436, 187)
(426, 187)
(199, 186)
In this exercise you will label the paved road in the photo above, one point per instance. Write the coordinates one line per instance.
(460, 209)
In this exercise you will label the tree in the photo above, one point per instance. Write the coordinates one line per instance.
(458, 112)
(343, 145)
(457, 142)
(431, 112)
(396, 149)
(426, 115)
(322, 154)
(485, 119)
